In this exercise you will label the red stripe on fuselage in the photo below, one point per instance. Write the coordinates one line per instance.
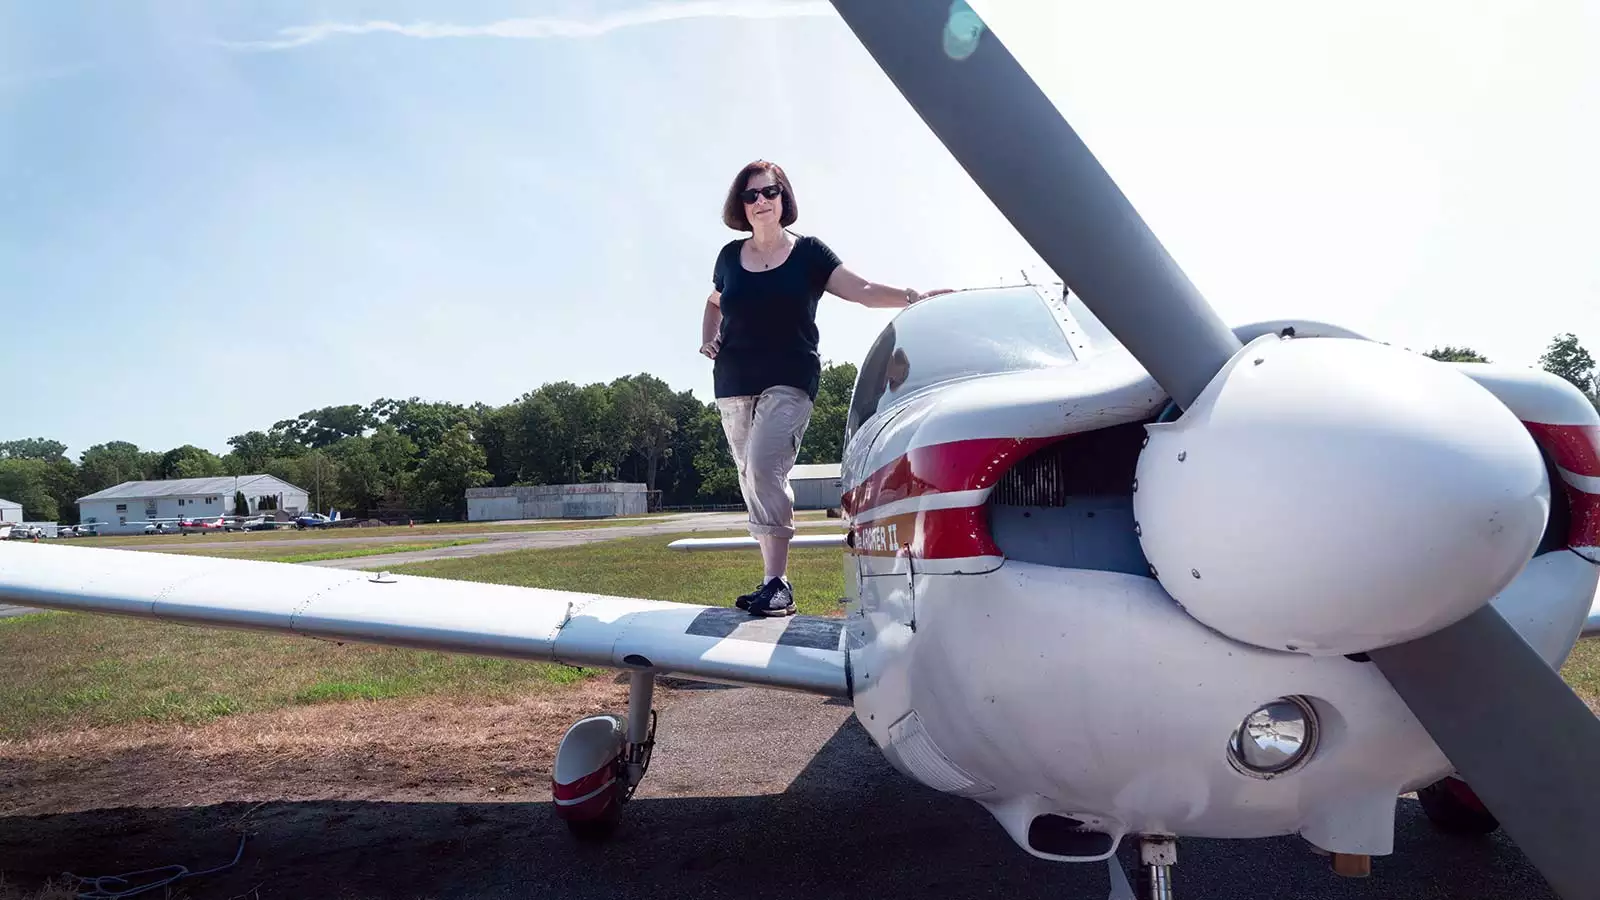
(1584, 530)
(941, 468)
(1575, 448)
(958, 533)
(973, 464)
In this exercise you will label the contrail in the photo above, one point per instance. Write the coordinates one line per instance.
(301, 35)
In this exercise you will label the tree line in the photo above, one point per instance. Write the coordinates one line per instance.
(416, 458)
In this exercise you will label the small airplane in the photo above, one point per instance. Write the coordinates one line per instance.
(20, 531)
(85, 529)
(317, 520)
(1116, 569)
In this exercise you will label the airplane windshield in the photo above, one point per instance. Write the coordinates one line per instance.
(946, 338)
(1100, 337)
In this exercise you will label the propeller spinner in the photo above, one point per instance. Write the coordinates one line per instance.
(1501, 715)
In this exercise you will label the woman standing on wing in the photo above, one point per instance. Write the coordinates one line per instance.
(760, 328)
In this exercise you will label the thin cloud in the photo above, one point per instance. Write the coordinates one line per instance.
(10, 80)
(537, 28)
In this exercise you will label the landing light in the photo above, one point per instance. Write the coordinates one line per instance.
(1275, 739)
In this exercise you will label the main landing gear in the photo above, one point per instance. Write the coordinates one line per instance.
(601, 761)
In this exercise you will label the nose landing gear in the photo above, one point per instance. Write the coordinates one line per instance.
(601, 761)
(1158, 853)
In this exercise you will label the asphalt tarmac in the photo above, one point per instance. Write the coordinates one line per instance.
(751, 793)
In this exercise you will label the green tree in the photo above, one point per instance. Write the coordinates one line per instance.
(27, 481)
(33, 448)
(112, 463)
(250, 453)
(642, 408)
(824, 440)
(1456, 354)
(372, 468)
(241, 506)
(62, 484)
(719, 478)
(1568, 359)
(426, 423)
(190, 461)
(456, 463)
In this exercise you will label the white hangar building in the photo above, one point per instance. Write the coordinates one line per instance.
(176, 498)
(816, 486)
(9, 511)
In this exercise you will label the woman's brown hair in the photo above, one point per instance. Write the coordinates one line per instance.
(733, 214)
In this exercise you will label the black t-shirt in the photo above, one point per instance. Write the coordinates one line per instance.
(769, 320)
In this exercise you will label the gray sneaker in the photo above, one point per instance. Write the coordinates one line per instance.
(776, 598)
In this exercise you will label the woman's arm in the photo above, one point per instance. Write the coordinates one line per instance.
(710, 323)
(848, 285)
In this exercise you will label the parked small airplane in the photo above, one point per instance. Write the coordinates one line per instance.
(1116, 570)
(317, 520)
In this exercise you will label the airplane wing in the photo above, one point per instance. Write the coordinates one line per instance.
(712, 643)
(749, 543)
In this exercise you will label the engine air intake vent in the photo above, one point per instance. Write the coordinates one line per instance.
(1058, 835)
(1095, 463)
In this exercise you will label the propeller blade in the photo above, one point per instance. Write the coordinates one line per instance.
(1501, 715)
(1019, 150)
(1529, 748)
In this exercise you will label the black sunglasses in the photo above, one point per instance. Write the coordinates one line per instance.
(771, 192)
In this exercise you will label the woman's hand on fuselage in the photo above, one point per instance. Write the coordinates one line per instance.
(847, 285)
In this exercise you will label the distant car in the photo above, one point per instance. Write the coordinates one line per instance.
(21, 532)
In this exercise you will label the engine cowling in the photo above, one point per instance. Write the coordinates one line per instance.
(1332, 496)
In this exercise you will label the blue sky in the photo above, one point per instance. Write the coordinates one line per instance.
(214, 216)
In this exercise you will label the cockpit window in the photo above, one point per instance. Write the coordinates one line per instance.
(956, 336)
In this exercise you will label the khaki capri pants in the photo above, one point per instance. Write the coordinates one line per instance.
(764, 433)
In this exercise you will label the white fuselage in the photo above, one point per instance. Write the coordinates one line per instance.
(1058, 676)
(1129, 703)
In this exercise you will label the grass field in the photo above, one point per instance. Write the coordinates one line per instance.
(644, 567)
(420, 531)
(291, 534)
(67, 670)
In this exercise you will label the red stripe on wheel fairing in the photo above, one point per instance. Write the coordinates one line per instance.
(588, 784)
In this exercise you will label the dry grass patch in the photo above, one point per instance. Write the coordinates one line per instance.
(421, 748)
(69, 670)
